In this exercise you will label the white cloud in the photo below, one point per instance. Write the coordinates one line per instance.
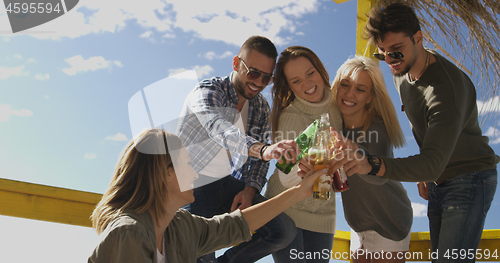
(419, 210)
(149, 35)
(79, 64)
(203, 19)
(494, 134)
(6, 112)
(168, 35)
(117, 137)
(89, 156)
(20, 57)
(5, 72)
(183, 74)
(201, 71)
(146, 34)
(491, 105)
(96, 16)
(42, 76)
(211, 55)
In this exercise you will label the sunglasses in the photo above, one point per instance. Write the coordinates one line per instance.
(394, 55)
(254, 74)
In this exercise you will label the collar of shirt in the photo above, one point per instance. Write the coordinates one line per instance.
(231, 92)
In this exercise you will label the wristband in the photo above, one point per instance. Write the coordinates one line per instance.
(262, 152)
(375, 162)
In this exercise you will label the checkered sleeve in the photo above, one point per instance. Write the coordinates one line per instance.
(218, 119)
(255, 170)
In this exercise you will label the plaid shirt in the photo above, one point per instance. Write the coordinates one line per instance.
(207, 126)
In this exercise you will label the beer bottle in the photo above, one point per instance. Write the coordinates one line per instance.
(320, 153)
(304, 142)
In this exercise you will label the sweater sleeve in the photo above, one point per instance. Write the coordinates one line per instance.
(439, 143)
(437, 122)
(217, 232)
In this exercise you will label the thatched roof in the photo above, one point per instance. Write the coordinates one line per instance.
(467, 32)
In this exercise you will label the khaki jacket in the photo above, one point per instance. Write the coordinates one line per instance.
(131, 237)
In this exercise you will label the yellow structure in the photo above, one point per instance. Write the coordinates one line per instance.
(362, 46)
(66, 206)
(46, 203)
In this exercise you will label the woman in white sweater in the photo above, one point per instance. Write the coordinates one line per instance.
(301, 93)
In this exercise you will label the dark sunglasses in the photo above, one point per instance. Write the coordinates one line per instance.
(254, 74)
(394, 55)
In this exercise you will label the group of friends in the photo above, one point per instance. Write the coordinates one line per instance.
(156, 209)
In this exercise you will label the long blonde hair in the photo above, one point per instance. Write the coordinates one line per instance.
(282, 94)
(381, 104)
(139, 180)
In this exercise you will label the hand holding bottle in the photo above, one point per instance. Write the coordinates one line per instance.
(349, 157)
(335, 144)
(304, 142)
(284, 151)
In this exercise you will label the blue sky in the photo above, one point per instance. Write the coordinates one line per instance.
(65, 87)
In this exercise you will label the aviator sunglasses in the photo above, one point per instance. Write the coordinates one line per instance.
(254, 74)
(394, 55)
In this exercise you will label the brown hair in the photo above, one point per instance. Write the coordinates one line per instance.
(282, 94)
(139, 180)
(261, 44)
(396, 17)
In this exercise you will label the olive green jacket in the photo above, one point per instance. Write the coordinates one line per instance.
(131, 238)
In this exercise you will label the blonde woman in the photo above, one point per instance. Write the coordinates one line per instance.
(377, 209)
(301, 93)
(139, 216)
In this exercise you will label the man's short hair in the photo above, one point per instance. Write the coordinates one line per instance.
(396, 18)
(260, 44)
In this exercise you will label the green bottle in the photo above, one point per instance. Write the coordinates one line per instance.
(304, 142)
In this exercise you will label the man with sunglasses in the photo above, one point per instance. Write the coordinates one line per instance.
(456, 168)
(225, 129)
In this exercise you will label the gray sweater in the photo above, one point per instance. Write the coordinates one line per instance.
(374, 203)
(442, 110)
(309, 214)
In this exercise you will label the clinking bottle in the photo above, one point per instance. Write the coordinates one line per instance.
(340, 182)
(322, 151)
(304, 142)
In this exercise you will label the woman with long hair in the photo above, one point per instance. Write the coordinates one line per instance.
(301, 93)
(377, 209)
(139, 216)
